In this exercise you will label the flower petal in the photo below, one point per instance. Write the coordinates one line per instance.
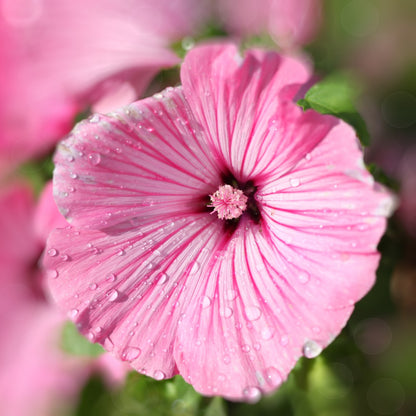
(143, 162)
(236, 99)
(256, 319)
(130, 291)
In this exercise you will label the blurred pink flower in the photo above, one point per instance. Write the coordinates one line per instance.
(36, 378)
(59, 57)
(159, 279)
(289, 23)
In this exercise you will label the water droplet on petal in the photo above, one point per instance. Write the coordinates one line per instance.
(112, 295)
(205, 302)
(267, 333)
(231, 294)
(111, 277)
(245, 348)
(121, 252)
(93, 286)
(295, 182)
(52, 274)
(253, 313)
(252, 394)
(130, 353)
(94, 158)
(311, 349)
(304, 277)
(52, 252)
(308, 156)
(73, 313)
(195, 268)
(163, 278)
(95, 118)
(273, 377)
(159, 375)
(227, 359)
(284, 340)
(226, 312)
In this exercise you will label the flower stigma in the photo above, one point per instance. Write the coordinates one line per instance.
(228, 202)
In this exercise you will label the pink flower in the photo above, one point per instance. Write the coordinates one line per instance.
(59, 57)
(167, 285)
(36, 378)
(289, 23)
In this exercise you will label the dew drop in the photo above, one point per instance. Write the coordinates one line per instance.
(308, 156)
(73, 175)
(227, 359)
(273, 377)
(121, 252)
(73, 313)
(252, 394)
(163, 278)
(94, 158)
(267, 333)
(226, 312)
(159, 375)
(304, 277)
(52, 274)
(111, 277)
(91, 336)
(95, 118)
(52, 252)
(284, 340)
(112, 295)
(195, 268)
(231, 294)
(93, 286)
(205, 301)
(130, 353)
(245, 348)
(253, 313)
(311, 349)
(295, 182)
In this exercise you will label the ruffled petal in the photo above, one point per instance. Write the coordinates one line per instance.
(237, 100)
(135, 165)
(327, 216)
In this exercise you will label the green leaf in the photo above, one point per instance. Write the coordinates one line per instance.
(74, 343)
(215, 407)
(336, 95)
(320, 388)
(37, 172)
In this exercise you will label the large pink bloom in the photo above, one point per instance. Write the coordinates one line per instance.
(155, 275)
(59, 57)
(36, 377)
(289, 23)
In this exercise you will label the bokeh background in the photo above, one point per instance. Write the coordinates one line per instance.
(47, 368)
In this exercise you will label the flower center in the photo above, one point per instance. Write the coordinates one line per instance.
(228, 202)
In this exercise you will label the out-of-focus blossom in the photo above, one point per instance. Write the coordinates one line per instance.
(229, 301)
(60, 57)
(289, 23)
(36, 378)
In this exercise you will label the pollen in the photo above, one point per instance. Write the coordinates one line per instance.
(228, 202)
